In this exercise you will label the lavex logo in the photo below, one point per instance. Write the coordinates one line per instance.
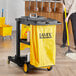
(45, 35)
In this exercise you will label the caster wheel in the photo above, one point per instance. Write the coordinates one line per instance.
(11, 37)
(49, 68)
(8, 62)
(26, 68)
(4, 38)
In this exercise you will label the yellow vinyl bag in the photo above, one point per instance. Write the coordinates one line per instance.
(42, 45)
(24, 31)
(24, 46)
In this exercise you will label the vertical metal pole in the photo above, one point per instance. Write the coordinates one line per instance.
(29, 4)
(18, 39)
(2, 12)
(36, 5)
(55, 6)
(42, 6)
(49, 5)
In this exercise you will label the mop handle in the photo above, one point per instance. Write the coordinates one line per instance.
(36, 4)
(29, 4)
(2, 12)
(55, 6)
(42, 5)
(49, 5)
(67, 28)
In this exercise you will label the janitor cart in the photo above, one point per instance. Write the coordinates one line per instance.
(41, 60)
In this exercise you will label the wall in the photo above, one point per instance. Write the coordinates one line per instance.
(2, 5)
(58, 15)
(16, 8)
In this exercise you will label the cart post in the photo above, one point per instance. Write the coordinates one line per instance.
(17, 39)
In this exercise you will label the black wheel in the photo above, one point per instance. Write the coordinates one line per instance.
(11, 37)
(26, 68)
(3, 38)
(49, 68)
(8, 61)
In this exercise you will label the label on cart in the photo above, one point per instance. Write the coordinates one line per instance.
(45, 35)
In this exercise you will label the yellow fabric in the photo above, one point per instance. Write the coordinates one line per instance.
(43, 47)
(24, 31)
(24, 46)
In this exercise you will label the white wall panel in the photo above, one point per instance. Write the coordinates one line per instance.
(16, 8)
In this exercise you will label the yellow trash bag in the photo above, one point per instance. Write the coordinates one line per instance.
(24, 31)
(42, 45)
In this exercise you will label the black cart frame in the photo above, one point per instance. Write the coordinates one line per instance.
(21, 60)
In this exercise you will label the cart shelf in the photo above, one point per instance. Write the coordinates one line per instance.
(24, 41)
(18, 60)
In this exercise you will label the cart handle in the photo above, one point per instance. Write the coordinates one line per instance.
(33, 15)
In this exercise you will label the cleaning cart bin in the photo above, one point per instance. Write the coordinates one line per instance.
(42, 43)
(5, 30)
